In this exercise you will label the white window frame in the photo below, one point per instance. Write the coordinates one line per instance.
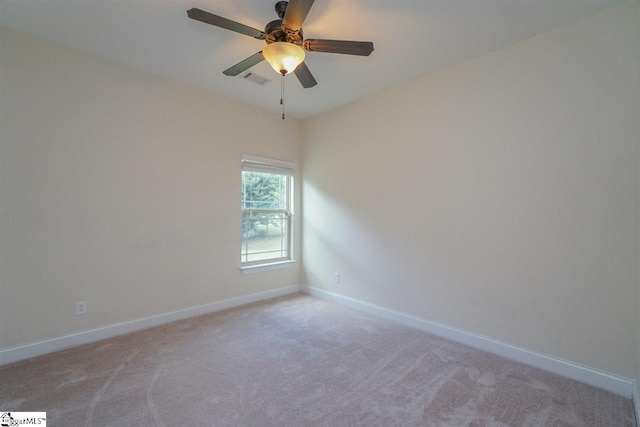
(252, 163)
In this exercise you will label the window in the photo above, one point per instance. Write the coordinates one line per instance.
(266, 202)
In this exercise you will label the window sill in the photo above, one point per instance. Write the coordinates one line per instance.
(248, 269)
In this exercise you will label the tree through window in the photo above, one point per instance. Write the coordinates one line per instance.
(266, 210)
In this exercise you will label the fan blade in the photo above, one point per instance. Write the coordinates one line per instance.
(297, 11)
(304, 75)
(339, 46)
(227, 24)
(244, 64)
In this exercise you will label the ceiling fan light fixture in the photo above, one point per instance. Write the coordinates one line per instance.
(283, 57)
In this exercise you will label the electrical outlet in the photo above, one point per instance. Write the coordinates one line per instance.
(81, 308)
(336, 278)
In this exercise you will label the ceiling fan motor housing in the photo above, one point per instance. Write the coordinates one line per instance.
(277, 32)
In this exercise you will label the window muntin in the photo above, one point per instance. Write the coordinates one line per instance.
(266, 218)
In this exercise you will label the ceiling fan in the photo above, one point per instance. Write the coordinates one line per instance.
(286, 45)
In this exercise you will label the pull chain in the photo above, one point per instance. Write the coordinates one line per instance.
(282, 92)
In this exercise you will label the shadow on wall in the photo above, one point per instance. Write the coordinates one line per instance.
(339, 241)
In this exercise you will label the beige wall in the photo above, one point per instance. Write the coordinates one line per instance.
(637, 378)
(499, 196)
(121, 189)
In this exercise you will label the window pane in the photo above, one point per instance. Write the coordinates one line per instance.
(265, 236)
(264, 191)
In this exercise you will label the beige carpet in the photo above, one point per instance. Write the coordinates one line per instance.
(296, 361)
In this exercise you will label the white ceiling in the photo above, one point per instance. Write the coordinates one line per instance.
(411, 38)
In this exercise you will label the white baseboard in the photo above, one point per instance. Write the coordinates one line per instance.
(619, 385)
(26, 351)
